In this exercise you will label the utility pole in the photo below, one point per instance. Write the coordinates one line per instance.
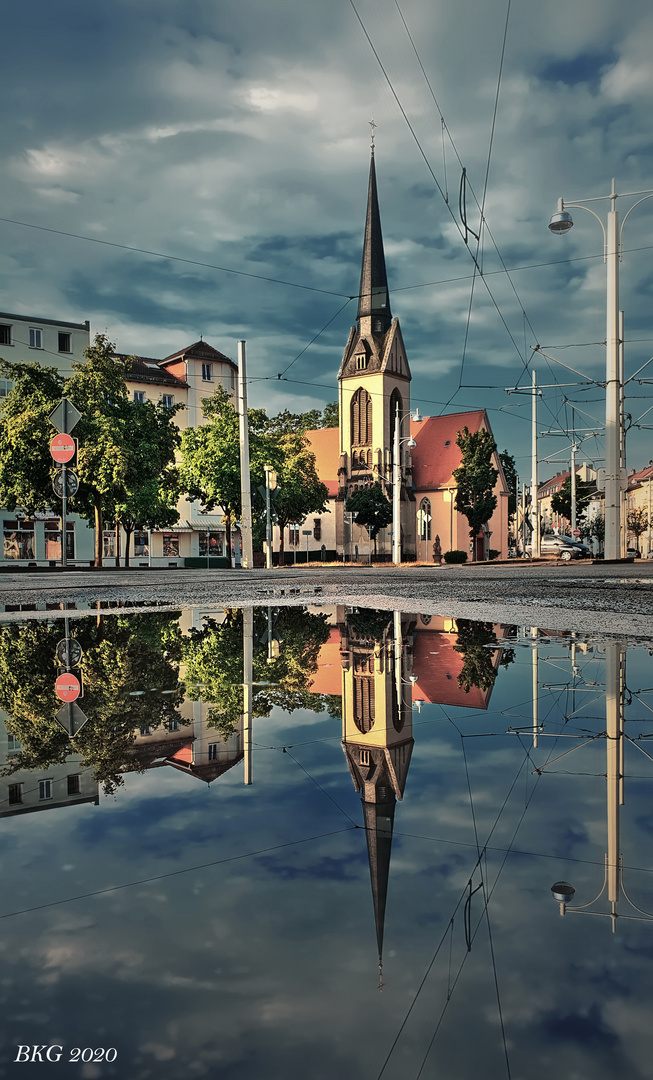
(245, 486)
(574, 448)
(396, 503)
(535, 509)
(270, 484)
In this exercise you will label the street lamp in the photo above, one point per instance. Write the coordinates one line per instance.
(560, 223)
(396, 481)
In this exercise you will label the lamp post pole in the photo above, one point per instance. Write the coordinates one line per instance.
(560, 223)
(535, 507)
(396, 503)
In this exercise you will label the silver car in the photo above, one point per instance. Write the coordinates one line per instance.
(562, 547)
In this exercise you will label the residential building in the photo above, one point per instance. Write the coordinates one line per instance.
(638, 498)
(52, 343)
(550, 521)
(27, 790)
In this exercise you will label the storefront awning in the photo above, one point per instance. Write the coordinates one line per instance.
(201, 524)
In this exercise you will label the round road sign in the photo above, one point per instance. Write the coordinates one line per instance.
(576, 532)
(68, 652)
(62, 448)
(72, 484)
(67, 687)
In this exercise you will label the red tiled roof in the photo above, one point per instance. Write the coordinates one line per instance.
(436, 455)
(200, 349)
(328, 678)
(325, 444)
(437, 667)
(643, 475)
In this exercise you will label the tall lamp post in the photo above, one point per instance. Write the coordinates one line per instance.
(396, 486)
(562, 222)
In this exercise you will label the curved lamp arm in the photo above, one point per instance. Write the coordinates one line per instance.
(621, 231)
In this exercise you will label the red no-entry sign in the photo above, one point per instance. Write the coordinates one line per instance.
(62, 448)
(67, 687)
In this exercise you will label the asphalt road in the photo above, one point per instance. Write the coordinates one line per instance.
(610, 599)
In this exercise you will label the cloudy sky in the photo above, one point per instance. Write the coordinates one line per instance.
(236, 135)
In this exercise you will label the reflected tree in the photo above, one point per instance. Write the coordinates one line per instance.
(476, 644)
(122, 654)
(213, 657)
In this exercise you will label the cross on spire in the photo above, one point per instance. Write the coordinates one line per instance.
(373, 126)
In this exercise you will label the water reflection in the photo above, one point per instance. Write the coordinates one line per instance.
(477, 758)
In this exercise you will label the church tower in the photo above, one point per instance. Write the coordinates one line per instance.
(374, 377)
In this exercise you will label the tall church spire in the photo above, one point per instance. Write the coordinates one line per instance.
(374, 299)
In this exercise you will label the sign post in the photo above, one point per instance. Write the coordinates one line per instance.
(62, 448)
(306, 533)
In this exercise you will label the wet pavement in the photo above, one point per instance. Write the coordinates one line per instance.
(617, 599)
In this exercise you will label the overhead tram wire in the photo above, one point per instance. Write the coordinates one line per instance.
(175, 258)
(479, 269)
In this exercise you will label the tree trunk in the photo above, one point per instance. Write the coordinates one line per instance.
(128, 535)
(227, 520)
(117, 524)
(98, 529)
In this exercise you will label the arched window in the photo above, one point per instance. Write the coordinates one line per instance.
(424, 520)
(361, 418)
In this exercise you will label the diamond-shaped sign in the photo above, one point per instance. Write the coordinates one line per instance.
(71, 718)
(65, 416)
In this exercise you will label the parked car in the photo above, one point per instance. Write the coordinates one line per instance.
(561, 547)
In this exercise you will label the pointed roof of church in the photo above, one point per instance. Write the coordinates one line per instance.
(374, 298)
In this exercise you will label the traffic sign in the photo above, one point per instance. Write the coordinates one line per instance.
(68, 652)
(576, 532)
(65, 417)
(306, 532)
(71, 718)
(72, 484)
(67, 687)
(62, 448)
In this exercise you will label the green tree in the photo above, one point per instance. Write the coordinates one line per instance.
(151, 487)
(510, 473)
(300, 491)
(210, 470)
(330, 415)
(561, 501)
(476, 478)
(638, 522)
(595, 528)
(99, 392)
(372, 509)
(26, 468)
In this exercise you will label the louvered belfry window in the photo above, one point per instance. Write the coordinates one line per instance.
(361, 419)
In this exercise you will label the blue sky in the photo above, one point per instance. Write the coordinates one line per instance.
(236, 134)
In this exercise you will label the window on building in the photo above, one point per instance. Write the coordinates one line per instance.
(35, 338)
(13, 744)
(361, 362)
(170, 544)
(364, 758)
(212, 543)
(146, 730)
(53, 539)
(293, 535)
(15, 794)
(5, 334)
(168, 401)
(424, 520)
(317, 528)
(213, 751)
(73, 784)
(70, 539)
(174, 725)
(141, 544)
(139, 396)
(45, 789)
(207, 372)
(109, 543)
(5, 387)
(18, 539)
(64, 343)
(361, 418)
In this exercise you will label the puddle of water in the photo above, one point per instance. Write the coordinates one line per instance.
(304, 842)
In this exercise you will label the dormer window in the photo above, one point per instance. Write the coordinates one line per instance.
(207, 372)
(361, 362)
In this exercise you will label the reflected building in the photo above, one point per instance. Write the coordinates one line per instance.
(64, 783)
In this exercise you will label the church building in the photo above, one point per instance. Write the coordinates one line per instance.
(373, 384)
